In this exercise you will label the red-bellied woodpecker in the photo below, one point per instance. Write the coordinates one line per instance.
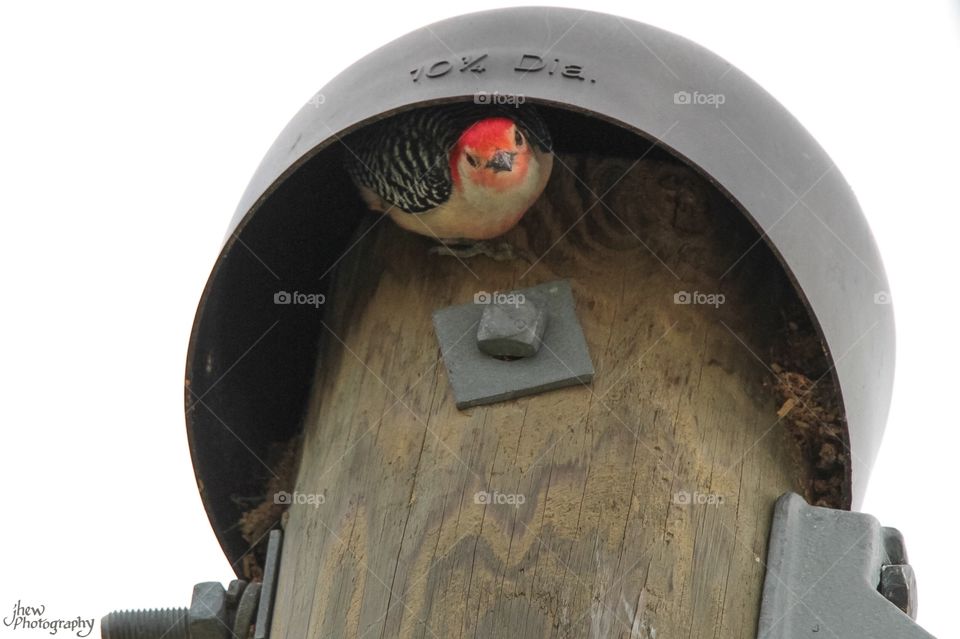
(459, 173)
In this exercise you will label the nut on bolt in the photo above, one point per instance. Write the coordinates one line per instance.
(899, 585)
(511, 330)
(210, 616)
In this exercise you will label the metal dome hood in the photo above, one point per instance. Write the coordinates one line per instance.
(248, 374)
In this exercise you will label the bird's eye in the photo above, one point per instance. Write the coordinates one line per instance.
(472, 160)
(518, 138)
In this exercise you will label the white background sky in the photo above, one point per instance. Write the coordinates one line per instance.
(127, 134)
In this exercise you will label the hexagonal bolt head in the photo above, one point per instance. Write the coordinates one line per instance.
(899, 585)
(208, 612)
(511, 330)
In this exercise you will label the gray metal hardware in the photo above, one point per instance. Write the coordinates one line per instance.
(477, 378)
(271, 570)
(208, 611)
(899, 585)
(511, 330)
(246, 611)
(169, 623)
(234, 591)
(838, 573)
(214, 613)
(206, 618)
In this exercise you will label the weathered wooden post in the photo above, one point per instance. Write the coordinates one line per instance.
(731, 301)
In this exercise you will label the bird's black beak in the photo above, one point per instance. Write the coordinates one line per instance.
(501, 161)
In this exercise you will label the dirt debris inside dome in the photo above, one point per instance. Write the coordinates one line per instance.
(810, 410)
(256, 522)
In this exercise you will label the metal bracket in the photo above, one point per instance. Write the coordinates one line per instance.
(271, 571)
(562, 358)
(824, 575)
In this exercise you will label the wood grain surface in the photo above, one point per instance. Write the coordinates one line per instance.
(561, 514)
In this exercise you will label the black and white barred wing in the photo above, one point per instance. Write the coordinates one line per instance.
(404, 158)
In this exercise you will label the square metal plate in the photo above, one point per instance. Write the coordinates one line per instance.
(477, 379)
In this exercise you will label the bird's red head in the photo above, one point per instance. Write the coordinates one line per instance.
(492, 153)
